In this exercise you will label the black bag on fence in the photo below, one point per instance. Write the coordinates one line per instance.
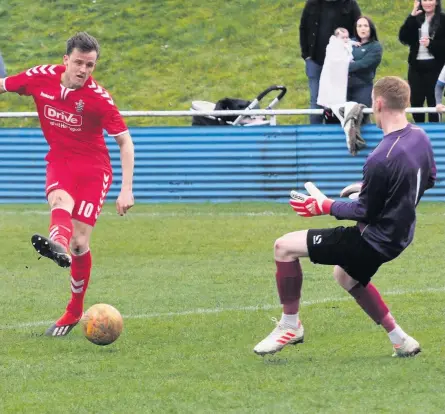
(226, 104)
(231, 104)
(329, 117)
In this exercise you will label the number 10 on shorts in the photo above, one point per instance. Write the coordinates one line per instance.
(85, 209)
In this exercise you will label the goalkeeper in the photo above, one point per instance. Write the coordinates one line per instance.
(395, 176)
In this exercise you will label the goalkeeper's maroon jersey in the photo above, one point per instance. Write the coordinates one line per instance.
(72, 120)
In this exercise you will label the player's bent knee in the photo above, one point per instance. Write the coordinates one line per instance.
(79, 244)
(283, 250)
(291, 246)
(60, 199)
(280, 247)
(343, 279)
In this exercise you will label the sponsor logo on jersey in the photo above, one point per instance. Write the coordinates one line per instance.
(63, 117)
(45, 95)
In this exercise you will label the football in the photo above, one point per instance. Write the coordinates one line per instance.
(102, 324)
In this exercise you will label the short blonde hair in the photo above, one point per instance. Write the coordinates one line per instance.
(340, 30)
(395, 92)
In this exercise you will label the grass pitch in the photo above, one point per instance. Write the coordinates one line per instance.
(196, 286)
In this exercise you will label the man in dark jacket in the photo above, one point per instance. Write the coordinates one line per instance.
(318, 21)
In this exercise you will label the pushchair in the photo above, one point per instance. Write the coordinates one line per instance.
(236, 105)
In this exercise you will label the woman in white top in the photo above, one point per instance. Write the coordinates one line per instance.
(424, 32)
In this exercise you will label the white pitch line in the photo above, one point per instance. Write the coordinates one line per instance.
(155, 214)
(205, 311)
(178, 214)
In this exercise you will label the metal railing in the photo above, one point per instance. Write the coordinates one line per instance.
(253, 112)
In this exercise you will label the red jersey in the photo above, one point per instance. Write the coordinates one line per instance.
(72, 120)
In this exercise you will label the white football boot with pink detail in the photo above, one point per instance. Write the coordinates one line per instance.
(281, 336)
(409, 348)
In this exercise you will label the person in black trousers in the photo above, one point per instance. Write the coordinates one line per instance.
(424, 32)
(2, 67)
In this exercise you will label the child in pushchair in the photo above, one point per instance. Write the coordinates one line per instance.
(236, 105)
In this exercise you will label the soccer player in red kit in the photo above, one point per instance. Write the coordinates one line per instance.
(73, 110)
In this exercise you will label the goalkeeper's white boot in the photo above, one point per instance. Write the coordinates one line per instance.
(281, 336)
(410, 347)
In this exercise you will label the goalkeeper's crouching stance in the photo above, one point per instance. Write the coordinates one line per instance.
(395, 176)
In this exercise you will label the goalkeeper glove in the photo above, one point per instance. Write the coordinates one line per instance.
(316, 204)
(352, 191)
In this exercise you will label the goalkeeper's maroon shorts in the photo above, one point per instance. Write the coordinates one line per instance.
(345, 247)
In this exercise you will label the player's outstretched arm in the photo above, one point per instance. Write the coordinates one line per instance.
(126, 200)
(371, 201)
(432, 177)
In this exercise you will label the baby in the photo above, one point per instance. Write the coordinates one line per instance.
(334, 74)
(343, 34)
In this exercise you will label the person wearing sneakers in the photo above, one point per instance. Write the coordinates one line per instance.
(395, 176)
(73, 111)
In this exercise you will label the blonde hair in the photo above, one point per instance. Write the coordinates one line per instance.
(394, 91)
(340, 30)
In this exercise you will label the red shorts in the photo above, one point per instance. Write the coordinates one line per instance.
(87, 186)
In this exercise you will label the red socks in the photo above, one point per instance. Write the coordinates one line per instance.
(60, 231)
(80, 277)
(61, 227)
(372, 303)
(289, 278)
(289, 281)
(388, 322)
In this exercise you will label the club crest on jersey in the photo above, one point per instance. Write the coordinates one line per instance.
(80, 105)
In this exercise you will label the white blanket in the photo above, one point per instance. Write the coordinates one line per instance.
(334, 74)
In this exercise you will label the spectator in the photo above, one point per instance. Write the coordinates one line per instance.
(367, 57)
(424, 32)
(318, 21)
(2, 68)
(334, 74)
(342, 34)
(440, 85)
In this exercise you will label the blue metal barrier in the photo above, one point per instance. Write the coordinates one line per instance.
(219, 164)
